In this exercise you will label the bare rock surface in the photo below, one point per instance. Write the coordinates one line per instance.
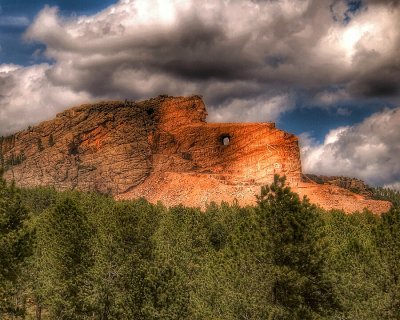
(164, 150)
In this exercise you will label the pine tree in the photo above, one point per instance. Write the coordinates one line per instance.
(14, 249)
(63, 260)
(388, 241)
(123, 252)
(300, 289)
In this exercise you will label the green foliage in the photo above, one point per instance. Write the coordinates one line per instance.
(355, 190)
(174, 269)
(14, 160)
(354, 263)
(14, 249)
(300, 289)
(387, 194)
(123, 257)
(388, 237)
(73, 255)
(63, 258)
(38, 199)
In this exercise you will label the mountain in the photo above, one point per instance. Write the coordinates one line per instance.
(163, 149)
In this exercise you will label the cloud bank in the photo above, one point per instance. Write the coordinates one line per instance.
(369, 150)
(228, 51)
(250, 59)
(28, 97)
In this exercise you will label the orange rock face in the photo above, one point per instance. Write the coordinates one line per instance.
(161, 149)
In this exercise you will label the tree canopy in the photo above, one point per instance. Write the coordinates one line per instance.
(75, 255)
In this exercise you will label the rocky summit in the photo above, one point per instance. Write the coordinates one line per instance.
(163, 149)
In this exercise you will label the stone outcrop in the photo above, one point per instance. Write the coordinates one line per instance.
(355, 185)
(161, 149)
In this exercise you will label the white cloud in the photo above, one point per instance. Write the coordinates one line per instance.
(369, 150)
(27, 97)
(242, 56)
(7, 68)
(260, 109)
(203, 39)
(328, 98)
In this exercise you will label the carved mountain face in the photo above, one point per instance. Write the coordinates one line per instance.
(161, 149)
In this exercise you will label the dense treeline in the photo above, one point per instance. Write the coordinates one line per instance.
(387, 194)
(75, 255)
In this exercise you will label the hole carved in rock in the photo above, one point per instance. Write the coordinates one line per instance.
(225, 140)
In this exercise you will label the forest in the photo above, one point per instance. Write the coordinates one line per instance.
(76, 255)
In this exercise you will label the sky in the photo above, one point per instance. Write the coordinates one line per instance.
(327, 71)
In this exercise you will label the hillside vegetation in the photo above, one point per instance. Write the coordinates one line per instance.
(74, 255)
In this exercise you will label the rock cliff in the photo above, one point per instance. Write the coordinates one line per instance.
(161, 149)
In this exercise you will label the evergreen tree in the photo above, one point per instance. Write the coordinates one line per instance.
(237, 271)
(63, 260)
(170, 282)
(300, 289)
(123, 254)
(97, 258)
(355, 265)
(387, 194)
(388, 240)
(14, 249)
(38, 200)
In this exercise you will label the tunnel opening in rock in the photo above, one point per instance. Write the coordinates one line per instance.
(225, 139)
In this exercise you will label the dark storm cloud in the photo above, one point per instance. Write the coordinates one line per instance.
(251, 60)
(228, 51)
(380, 79)
(376, 87)
(194, 48)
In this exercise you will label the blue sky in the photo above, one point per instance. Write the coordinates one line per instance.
(313, 67)
(18, 14)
